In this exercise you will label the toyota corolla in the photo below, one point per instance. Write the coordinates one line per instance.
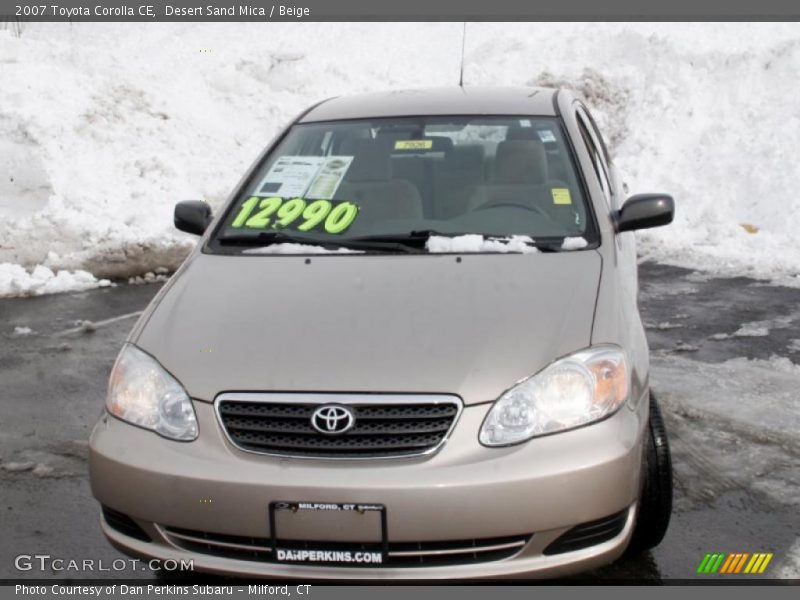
(408, 345)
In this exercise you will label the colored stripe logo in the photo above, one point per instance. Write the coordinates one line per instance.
(734, 563)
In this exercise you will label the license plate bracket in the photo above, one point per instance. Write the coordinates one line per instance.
(344, 507)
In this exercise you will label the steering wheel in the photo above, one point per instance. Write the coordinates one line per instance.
(529, 207)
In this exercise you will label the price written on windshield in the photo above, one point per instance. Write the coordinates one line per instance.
(277, 213)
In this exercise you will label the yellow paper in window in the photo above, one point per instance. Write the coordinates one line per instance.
(413, 144)
(561, 196)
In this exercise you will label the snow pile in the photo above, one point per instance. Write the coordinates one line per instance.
(734, 390)
(758, 328)
(16, 281)
(99, 137)
(706, 112)
(160, 275)
(750, 331)
(289, 248)
(478, 243)
(574, 243)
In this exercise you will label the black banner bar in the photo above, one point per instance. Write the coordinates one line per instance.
(398, 10)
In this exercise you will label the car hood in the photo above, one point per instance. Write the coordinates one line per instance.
(371, 323)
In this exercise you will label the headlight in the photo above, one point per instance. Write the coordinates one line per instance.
(571, 392)
(143, 393)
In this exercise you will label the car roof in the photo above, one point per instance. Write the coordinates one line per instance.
(517, 101)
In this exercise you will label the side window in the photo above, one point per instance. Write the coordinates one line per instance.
(596, 133)
(598, 162)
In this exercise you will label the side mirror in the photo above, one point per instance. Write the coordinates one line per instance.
(643, 211)
(192, 216)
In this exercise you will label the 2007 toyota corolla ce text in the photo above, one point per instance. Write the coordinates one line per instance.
(408, 346)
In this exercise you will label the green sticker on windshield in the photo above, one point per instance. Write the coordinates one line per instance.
(304, 215)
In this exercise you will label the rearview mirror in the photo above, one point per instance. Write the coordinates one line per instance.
(643, 211)
(192, 216)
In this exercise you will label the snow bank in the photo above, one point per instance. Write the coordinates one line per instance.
(16, 281)
(706, 112)
(103, 127)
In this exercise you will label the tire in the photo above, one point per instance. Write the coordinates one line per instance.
(655, 504)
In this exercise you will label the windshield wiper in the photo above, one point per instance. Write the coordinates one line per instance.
(420, 238)
(548, 246)
(417, 238)
(267, 238)
(413, 241)
(262, 237)
(551, 244)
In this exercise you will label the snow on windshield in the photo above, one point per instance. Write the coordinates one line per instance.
(478, 243)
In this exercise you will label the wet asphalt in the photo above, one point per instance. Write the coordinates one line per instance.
(52, 387)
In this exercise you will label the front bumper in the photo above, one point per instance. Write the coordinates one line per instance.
(539, 489)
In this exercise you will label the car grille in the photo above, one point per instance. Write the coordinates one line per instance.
(400, 554)
(385, 427)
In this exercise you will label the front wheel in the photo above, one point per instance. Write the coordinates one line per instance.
(655, 504)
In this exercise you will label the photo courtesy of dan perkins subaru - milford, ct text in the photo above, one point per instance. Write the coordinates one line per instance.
(160, 590)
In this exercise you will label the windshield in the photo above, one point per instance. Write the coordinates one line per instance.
(398, 179)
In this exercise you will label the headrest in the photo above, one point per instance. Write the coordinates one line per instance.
(441, 143)
(521, 133)
(466, 157)
(371, 160)
(520, 161)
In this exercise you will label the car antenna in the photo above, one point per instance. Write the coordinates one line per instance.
(463, 42)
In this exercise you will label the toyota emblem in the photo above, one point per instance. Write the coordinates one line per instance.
(333, 419)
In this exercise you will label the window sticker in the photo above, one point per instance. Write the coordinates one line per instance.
(329, 177)
(546, 135)
(304, 176)
(561, 196)
(524, 122)
(413, 145)
(289, 176)
(276, 213)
